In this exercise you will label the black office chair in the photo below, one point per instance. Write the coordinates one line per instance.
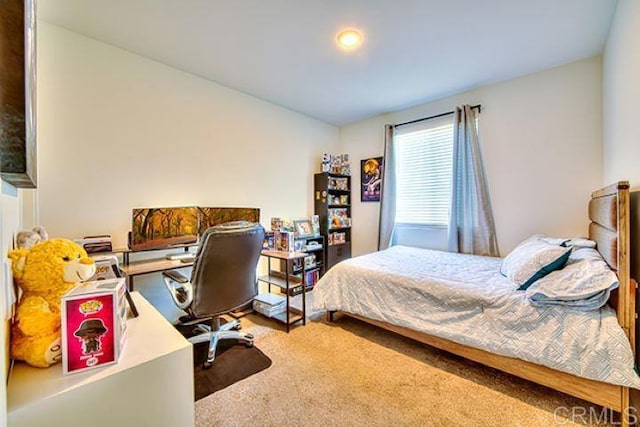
(223, 279)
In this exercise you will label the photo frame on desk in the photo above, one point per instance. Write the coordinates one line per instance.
(303, 227)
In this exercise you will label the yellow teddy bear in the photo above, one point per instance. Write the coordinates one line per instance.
(44, 272)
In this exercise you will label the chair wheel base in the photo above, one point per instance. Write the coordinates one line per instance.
(207, 365)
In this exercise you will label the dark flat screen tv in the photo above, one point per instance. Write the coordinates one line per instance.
(157, 228)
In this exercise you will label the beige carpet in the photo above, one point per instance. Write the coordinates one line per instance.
(352, 374)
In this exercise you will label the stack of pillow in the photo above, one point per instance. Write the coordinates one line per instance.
(568, 272)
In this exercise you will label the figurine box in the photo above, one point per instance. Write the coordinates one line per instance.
(94, 322)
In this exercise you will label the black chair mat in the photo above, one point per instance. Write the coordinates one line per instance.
(234, 362)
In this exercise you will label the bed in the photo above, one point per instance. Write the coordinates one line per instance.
(462, 304)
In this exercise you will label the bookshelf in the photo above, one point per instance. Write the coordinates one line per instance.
(286, 281)
(332, 203)
(314, 261)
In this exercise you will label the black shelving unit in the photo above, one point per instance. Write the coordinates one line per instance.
(314, 247)
(332, 203)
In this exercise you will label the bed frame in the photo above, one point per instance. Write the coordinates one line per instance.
(609, 227)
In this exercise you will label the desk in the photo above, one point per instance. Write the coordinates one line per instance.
(147, 266)
(138, 268)
(291, 314)
(152, 384)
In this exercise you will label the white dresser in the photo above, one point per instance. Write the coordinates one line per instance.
(152, 384)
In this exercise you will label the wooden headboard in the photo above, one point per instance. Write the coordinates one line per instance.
(609, 227)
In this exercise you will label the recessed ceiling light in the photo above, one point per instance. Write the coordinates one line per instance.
(349, 39)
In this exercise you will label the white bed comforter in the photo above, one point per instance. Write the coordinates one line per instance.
(465, 299)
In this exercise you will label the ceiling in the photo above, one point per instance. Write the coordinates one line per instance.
(283, 51)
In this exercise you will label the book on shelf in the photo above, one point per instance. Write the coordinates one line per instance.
(311, 278)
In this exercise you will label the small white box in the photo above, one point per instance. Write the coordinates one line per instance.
(269, 304)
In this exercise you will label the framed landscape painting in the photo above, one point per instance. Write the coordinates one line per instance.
(371, 179)
(18, 92)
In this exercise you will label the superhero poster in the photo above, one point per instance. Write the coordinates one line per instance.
(371, 179)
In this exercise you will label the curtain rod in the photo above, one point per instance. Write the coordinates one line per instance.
(478, 107)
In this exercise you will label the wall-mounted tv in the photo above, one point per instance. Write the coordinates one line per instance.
(154, 228)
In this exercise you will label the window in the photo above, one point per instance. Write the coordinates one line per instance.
(424, 167)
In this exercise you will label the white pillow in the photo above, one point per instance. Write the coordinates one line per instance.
(575, 242)
(585, 283)
(533, 259)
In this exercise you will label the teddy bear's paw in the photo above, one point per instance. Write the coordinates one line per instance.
(53, 353)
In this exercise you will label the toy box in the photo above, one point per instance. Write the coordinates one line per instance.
(94, 316)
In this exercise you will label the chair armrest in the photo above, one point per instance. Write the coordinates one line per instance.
(176, 276)
(179, 288)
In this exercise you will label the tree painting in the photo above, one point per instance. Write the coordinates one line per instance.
(216, 216)
(159, 227)
(165, 227)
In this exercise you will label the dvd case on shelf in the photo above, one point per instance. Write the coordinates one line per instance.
(336, 164)
(284, 241)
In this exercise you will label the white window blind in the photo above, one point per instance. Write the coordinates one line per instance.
(424, 162)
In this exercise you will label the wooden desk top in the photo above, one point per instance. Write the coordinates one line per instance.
(153, 266)
(123, 250)
(283, 255)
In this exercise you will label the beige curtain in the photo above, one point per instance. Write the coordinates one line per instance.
(388, 191)
(471, 225)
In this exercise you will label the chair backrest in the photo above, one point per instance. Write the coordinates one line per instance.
(224, 272)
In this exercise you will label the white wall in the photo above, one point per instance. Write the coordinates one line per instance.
(621, 93)
(118, 131)
(541, 141)
(9, 224)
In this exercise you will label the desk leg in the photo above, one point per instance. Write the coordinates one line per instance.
(286, 275)
(269, 272)
(304, 293)
(129, 279)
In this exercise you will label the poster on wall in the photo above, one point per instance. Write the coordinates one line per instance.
(371, 179)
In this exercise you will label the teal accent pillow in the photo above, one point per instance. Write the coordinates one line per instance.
(533, 259)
